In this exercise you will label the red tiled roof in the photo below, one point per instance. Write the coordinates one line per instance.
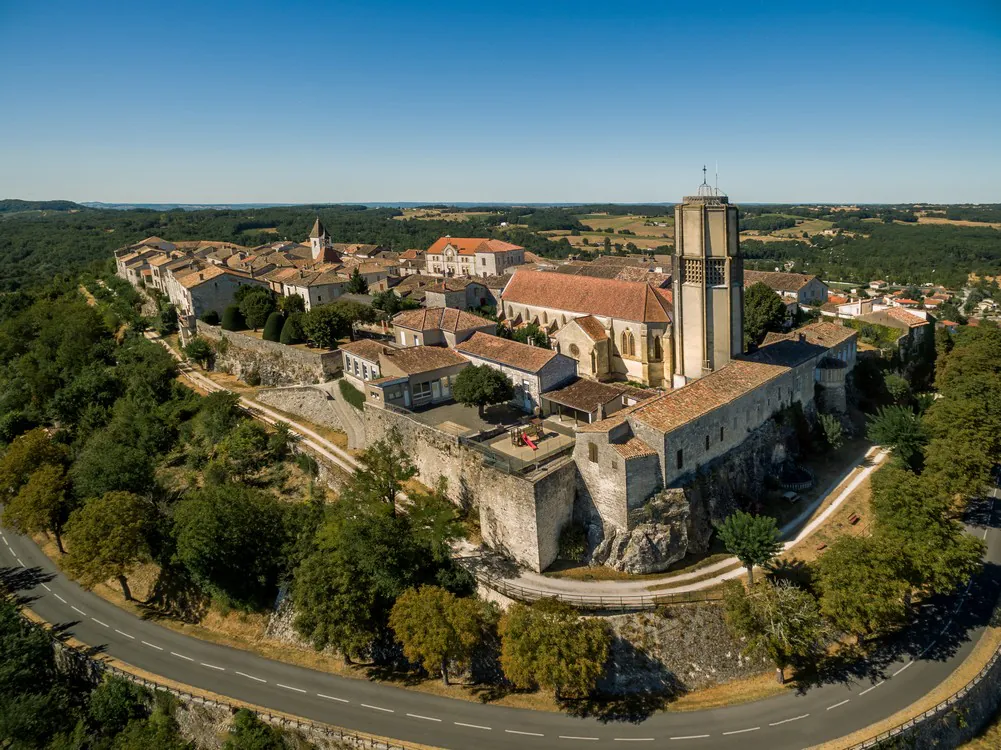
(506, 352)
(633, 448)
(625, 300)
(472, 245)
(413, 360)
(367, 349)
(592, 327)
(440, 318)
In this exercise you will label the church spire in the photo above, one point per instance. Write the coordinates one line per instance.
(319, 230)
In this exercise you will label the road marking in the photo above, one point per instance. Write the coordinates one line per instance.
(633, 739)
(426, 718)
(181, 656)
(212, 666)
(6, 542)
(60, 599)
(19, 561)
(902, 669)
(125, 634)
(786, 721)
(471, 726)
(839, 704)
(526, 734)
(289, 687)
(869, 690)
(741, 731)
(571, 737)
(78, 610)
(151, 646)
(250, 677)
(328, 697)
(46, 587)
(378, 708)
(98, 621)
(691, 737)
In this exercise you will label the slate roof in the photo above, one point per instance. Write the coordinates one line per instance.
(472, 245)
(625, 300)
(439, 318)
(506, 352)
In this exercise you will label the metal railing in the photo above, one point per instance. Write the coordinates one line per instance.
(628, 603)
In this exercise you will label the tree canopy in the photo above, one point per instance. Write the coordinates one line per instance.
(754, 540)
(764, 311)
(481, 386)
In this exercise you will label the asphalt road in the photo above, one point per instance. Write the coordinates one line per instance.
(836, 706)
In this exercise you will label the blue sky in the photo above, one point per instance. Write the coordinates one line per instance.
(514, 101)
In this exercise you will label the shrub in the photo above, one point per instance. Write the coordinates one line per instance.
(273, 327)
(573, 543)
(232, 319)
(198, 350)
(292, 330)
(211, 317)
(252, 377)
(352, 395)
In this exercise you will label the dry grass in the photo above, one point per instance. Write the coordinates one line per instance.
(811, 226)
(631, 222)
(986, 646)
(989, 739)
(733, 693)
(434, 214)
(337, 437)
(956, 223)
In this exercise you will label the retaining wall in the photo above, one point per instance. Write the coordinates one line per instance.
(312, 404)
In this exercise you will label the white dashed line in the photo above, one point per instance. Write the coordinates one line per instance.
(902, 669)
(633, 739)
(98, 622)
(786, 721)
(250, 677)
(46, 587)
(125, 634)
(6, 542)
(60, 599)
(869, 690)
(212, 666)
(741, 731)
(691, 737)
(289, 687)
(378, 708)
(78, 610)
(328, 697)
(471, 726)
(839, 704)
(181, 656)
(571, 737)
(525, 734)
(19, 561)
(152, 646)
(426, 718)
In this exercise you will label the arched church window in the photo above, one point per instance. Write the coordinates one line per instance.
(658, 348)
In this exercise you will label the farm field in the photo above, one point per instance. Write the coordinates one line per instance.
(812, 226)
(441, 215)
(640, 225)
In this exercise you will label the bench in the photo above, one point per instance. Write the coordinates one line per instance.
(854, 518)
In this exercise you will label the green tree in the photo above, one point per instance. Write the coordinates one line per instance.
(116, 702)
(764, 311)
(233, 540)
(356, 283)
(107, 464)
(549, 645)
(246, 447)
(232, 318)
(437, 629)
(41, 505)
(27, 453)
(778, 618)
(199, 350)
(385, 468)
(167, 320)
(532, 334)
(862, 590)
(256, 306)
(211, 317)
(292, 303)
(247, 732)
(833, 433)
(481, 386)
(898, 428)
(108, 538)
(292, 332)
(325, 325)
(754, 540)
(898, 387)
(218, 413)
(273, 327)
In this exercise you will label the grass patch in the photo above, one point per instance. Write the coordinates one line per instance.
(754, 688)
(352, 395)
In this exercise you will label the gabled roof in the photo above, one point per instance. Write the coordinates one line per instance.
(507, 352)
(412, 253)
(611, 298)
(367, 349)
(780, 282)
(587, 395)
(472, 245)
(894, 317)
(591, 326)
(413, 360)
(453, 285)
(439, 318)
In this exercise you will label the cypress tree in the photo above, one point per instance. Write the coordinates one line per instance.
(273, 327)
(292, 330)
(232, 319)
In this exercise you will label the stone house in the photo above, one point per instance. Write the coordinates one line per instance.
(531, 369)
(628, 336)
(199, 288)
(913, 328)
(316, 286)
(412, 262)
(808, 290)
(459, 293)
(472, 256)
(438, 326)
(408, 377)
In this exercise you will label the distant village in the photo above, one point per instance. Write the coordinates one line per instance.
(645, 385)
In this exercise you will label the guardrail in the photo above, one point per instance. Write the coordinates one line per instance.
(597, 602)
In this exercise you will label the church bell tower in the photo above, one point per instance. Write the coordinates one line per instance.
(708, 285)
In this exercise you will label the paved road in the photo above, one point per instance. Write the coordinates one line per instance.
(788, 721)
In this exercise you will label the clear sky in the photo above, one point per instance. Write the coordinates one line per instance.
(548, 100)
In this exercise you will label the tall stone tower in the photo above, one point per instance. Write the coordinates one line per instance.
(319, 240)
(708, 285)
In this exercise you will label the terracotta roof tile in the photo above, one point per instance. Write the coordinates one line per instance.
(439, 318)
(633, 448)
(413, 360)
(367, 349)
(592, 327)
(587, 395)
(506, 352)
(777, 280)
(472, 245)
(625, 300)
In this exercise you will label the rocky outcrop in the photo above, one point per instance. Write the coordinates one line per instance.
(658, 540)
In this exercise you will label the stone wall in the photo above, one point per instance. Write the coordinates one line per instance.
(521, 515)
(312, 404)
(275, 364)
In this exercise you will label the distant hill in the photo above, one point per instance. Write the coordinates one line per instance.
(11, 205)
